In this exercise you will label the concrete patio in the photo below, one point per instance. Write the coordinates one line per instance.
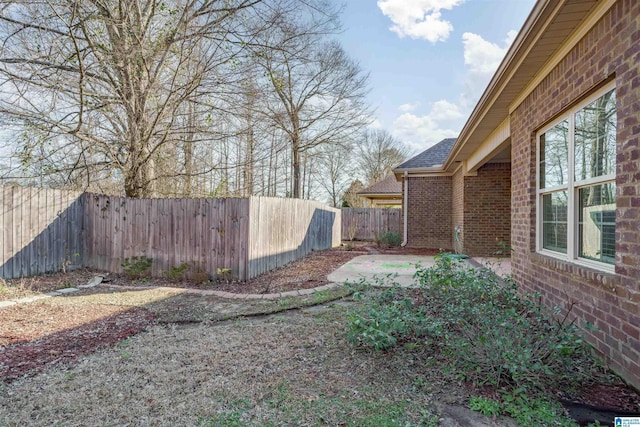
(401, 268)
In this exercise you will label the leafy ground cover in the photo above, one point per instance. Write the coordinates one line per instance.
(521, 358)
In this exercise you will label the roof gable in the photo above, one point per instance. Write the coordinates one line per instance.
(430, 157)
(389, 185)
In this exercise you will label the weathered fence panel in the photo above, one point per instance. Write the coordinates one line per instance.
(206, 234)
(51, 230)
(283, 230)
(41, 231)
(369, 223)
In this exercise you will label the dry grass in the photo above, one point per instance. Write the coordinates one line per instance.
(293, 368)
(28, 286)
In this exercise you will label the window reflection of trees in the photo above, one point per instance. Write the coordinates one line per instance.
(595, 138)
(578, 159)
(595, 147)
(555, 155)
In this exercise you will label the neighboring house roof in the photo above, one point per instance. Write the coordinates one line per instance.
(429, 158)
(386, 187)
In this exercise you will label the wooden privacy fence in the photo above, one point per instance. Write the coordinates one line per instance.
(206, 234)
(49, 230)
(369, 223)
(246, 237)
(41, 231)
(283, 230)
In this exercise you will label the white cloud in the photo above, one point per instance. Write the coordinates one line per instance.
(481, 58)
(444, 110)
(446, 118)
(419, 19)
(420, 132)
(511, 36)
(405, 108)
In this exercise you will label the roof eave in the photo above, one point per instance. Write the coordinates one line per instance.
(380, 194)
(400, 172)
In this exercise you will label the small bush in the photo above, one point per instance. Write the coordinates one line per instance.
(177, 273)
(199, 273)
(390, 239)
(382, 323)
(487, 332)
(137, 266)
(487, 407)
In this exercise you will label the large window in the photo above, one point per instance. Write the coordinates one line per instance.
(576, 183)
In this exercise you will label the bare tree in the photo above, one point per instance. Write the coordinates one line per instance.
(101, 88)
(338, 169)
(379, 152)
(319, 92)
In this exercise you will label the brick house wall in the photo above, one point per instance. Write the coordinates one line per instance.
(429, 212)
(487, 210)
(611, 302)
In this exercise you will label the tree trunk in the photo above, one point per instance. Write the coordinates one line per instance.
(138, 181)
(249, 163)
(188, 152)
(296, 169)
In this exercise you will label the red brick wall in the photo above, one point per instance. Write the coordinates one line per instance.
(611, 50)
(429, 213)
(487, 210)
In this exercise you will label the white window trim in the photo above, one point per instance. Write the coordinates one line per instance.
(572, 188)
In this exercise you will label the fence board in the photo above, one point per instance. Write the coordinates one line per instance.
(369, 223)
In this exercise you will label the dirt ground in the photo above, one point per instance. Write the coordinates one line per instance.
(293, 368)
(59, 330)
(108, 356)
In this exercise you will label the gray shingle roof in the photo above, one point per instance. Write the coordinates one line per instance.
(389, 185)
(430, 157)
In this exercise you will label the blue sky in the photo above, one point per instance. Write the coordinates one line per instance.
(429, 60)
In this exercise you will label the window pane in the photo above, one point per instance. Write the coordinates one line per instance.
(554, 221)
(595, 138)
(597, 222)
(554, 154)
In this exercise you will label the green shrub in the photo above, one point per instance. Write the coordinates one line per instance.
(137, 266)
(487, 407)
(390, 239)
(479, 324)
(383, 322)
(177, 273)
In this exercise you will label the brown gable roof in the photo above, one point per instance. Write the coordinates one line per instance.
(389, 185)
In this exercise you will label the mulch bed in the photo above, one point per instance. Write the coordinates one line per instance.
(51, 334)
(308, 272)
(305, 273)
